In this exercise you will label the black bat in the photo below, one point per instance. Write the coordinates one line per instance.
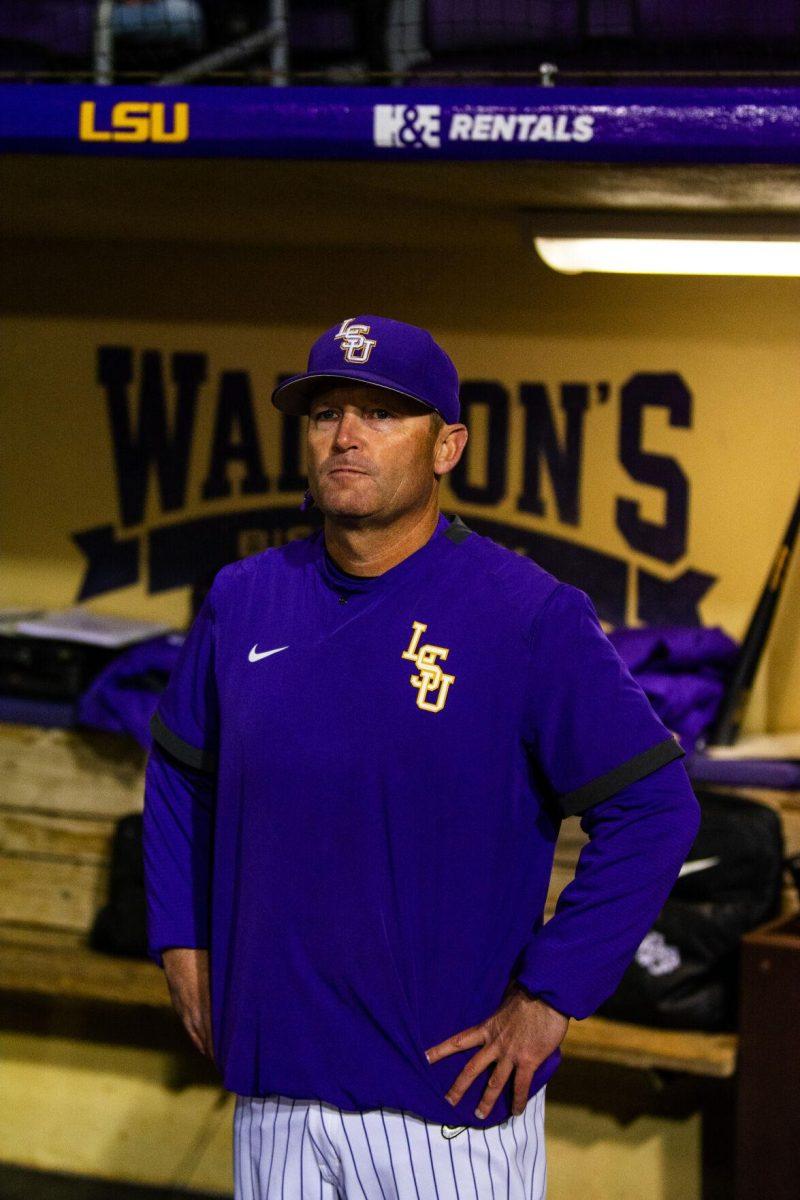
(725, 728)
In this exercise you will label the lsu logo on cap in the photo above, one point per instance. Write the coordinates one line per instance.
(356, 346)
(407, 126)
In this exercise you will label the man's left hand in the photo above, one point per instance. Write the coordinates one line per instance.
(518, 1037)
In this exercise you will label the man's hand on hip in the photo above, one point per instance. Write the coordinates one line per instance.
(186, 970)
(518, 1037)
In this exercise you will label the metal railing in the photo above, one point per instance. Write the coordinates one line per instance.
(273, 42)
(273, 37)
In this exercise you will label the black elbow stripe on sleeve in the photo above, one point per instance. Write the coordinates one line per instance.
(190, 756)
(613, 781)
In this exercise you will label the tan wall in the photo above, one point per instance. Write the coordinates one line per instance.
(159, 266)
(502, 315)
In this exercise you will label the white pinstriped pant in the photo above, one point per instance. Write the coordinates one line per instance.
(289, 1149)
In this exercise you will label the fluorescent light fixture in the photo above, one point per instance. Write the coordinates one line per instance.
(653, 255)
(702, 242)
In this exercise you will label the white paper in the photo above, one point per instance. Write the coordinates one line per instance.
(92, 629)
(9, 617)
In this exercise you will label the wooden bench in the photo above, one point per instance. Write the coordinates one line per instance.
(60, 796)
(54, 966)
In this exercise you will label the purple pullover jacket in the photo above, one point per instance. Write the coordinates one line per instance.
(353, 801)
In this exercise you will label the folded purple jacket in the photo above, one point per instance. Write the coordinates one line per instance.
(682, 671)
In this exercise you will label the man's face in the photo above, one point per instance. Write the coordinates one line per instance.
(370, 452)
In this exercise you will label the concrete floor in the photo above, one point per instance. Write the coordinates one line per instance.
(17, 1183)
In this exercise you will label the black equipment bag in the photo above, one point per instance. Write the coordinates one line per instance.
(120, 927)
(38, 668)
(685, 972)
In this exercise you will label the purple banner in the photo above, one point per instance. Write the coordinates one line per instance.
(406, 123)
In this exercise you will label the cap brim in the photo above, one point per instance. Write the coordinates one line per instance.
(294, 395)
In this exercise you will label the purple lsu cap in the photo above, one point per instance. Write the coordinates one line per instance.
(388, 354)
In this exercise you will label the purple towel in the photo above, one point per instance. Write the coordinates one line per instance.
(123, 697)
(50, 714)
(781, 774)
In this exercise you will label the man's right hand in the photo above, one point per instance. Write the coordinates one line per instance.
(186, 970)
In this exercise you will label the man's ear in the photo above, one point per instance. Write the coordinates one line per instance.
(450, 449)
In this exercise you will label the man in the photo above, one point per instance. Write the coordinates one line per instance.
(361, 763)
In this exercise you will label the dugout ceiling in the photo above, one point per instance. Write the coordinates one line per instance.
(264, 203)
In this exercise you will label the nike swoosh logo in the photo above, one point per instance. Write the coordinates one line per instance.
(255, 655)
(698, 864)
(450, 1131)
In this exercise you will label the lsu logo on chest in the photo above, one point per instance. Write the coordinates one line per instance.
(430, 681)
(135, 121)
